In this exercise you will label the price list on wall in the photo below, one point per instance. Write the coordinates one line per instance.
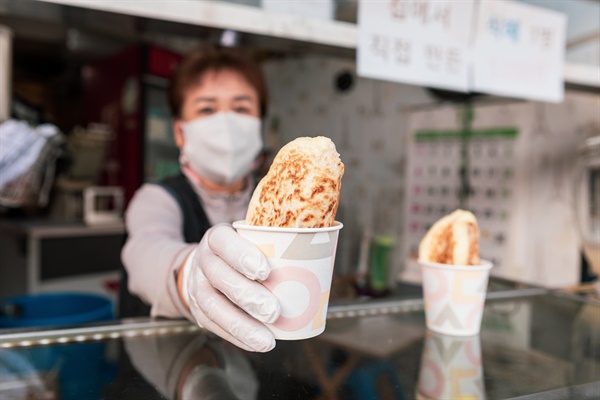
(519, 51)
(498, 47)
(424, 42)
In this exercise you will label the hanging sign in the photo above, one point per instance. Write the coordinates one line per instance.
(519, 51)
(421, 42)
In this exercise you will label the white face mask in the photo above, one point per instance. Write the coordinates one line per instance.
(222, 147)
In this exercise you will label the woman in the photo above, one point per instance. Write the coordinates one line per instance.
(182, 256)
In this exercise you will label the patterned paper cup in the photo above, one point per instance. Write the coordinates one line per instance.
(454, 296)
(451, 368)
(301, 261)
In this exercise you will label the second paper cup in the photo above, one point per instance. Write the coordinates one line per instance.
(301, 261)
(454, 296)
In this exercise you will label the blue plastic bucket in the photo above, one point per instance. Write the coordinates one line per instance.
(82, 367)
(53, 309)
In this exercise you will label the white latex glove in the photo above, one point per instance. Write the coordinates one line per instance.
(221, 289)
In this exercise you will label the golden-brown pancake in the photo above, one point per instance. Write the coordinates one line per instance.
(302, 187)
(454, 239)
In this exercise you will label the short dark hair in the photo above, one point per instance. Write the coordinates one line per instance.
(195, 64)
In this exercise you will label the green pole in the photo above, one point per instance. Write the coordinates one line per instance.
(467, 116)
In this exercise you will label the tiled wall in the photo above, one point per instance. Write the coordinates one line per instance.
(522, 185)
(370, 126)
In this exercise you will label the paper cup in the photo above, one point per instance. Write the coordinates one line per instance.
(454, 296)
(451, 368)
(301, 261)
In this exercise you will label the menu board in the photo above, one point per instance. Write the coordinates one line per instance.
(519, 51)
(423, 42)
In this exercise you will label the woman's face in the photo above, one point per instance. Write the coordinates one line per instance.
(217, 91)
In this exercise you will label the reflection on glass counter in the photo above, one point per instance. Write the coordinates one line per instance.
(528, 346)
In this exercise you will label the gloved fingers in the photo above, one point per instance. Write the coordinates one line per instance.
(241, 330)
(219, 315)
(249, 295)
(216, 329)
(238, 252)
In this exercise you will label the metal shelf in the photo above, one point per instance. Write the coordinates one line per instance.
(133, 327)
(216, 14)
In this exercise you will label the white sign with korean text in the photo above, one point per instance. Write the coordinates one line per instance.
(421, 42)
(519, 51)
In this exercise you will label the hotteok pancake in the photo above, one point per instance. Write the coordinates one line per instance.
(302, 187)
(454, 239)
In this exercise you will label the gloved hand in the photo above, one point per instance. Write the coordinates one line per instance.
(221, 289)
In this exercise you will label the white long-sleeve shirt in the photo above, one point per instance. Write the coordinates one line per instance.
(155, 247)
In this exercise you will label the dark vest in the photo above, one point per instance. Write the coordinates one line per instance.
(195, 225)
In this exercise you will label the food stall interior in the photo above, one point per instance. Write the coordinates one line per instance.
(99, 74)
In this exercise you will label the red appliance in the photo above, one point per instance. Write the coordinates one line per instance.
(123, 91)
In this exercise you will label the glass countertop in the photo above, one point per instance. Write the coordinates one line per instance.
(533, 344)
